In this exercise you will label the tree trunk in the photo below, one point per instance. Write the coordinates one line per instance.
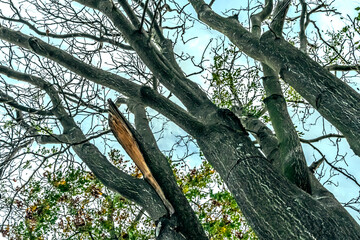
(274, 207)
(336, 101)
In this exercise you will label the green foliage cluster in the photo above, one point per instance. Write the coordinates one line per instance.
(356, 25)
(338, 46)
(214, 205)
(233, 84)
(73, 204)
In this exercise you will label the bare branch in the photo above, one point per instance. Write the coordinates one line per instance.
(112, 177)
(162, 171)
(4, 98)
(278, 20)
(248, 42)
(265, 137)
(317, 87)
(315, 10)
(100, 39)
(292, 160)
(258, 18)
(321, 138)
(338, 169)
(143, 15)
(113, 81)
(327, 44)
(130, 13)
(315, 165)
(337, 67)
(187, 91)
(302, 35)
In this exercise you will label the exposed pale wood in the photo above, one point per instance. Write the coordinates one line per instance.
(125, 137)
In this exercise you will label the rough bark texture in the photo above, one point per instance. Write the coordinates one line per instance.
(319, 193)
(335, 100)
(187, 222)
(275, 208)
(292, 162)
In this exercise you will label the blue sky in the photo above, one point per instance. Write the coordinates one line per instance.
(343, 189)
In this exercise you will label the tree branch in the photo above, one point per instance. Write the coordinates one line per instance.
(143, 15)
(337, 67)
(292, 161)
(187, 91)
(189, 225)
(69, 35)
(113, 81)
(258, 18)
(321, 138)
(243, 39)
(10, 156)
(326, 93)
(309, 13)
(133, 189)
(130, 13)
(338, 169)
(327, 44)
(264, 136)
(303, 18)
(279, 17)
(4, 98)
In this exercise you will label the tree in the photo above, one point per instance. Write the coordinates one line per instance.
(71, 56)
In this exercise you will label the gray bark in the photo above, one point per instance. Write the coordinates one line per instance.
(275, 208)
(270, 149)
(291, 162)
(332, 98)
(133, 189)
(317, 86)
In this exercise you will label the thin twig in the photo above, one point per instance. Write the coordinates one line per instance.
(321, 138)
(143, 15)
